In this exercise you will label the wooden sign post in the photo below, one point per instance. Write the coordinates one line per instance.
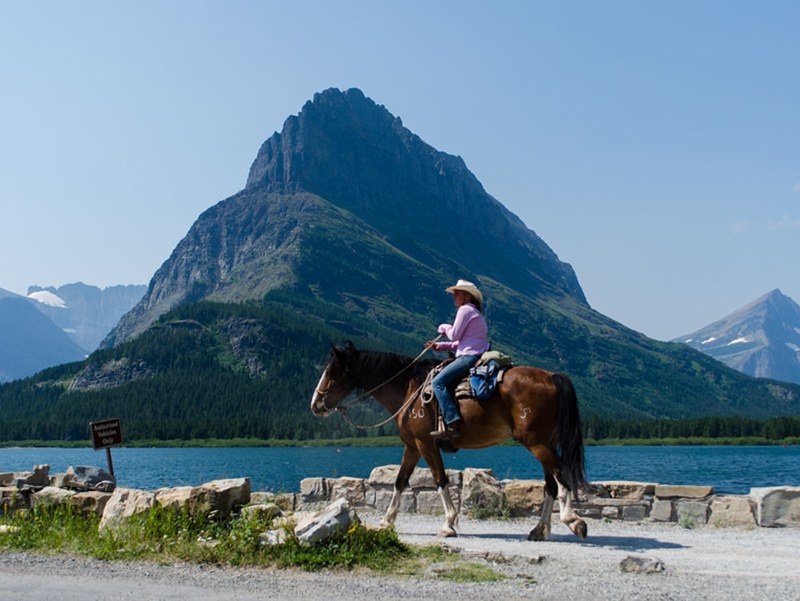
(106, 434)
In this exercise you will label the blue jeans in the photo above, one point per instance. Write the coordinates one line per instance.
(454, 372)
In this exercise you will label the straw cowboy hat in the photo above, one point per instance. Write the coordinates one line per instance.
(469, 287)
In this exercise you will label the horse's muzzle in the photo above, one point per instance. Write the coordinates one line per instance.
(319, 408)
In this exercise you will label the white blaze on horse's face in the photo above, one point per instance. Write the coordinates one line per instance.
(317, 402)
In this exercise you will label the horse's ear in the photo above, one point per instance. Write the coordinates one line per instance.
(350, 349)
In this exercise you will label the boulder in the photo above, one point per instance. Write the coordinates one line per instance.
(11, 499)
(481, 490)
(40, 476)
(91, 502)
(626, 490)
(351, 489)
(219, 498)
(692, 513)
(732, 511)
(87, 478)
(173, 498)
(642, 565)
(124, 503)
(422, 478)
(661, 510)
(777, 506)
(671, 491)
(333, 522)
(266, 511)
(314, 490)
(50, 495)
(524, 497)
(383, 475)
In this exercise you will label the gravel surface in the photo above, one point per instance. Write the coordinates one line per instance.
(706, 563)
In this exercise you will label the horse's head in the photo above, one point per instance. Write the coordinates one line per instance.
(337, 380)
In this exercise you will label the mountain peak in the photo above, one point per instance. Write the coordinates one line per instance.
(354, 153)
(761, 339)
(346, 160)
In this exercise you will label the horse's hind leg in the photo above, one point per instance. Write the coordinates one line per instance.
(411, 458)
(555, 489)
(542, 529)
(568, 516)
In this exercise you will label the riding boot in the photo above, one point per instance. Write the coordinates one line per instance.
(451, 430)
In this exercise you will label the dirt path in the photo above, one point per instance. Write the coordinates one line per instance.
(706, 563)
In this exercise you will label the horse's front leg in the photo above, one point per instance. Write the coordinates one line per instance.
(434, 460)
(410, 460)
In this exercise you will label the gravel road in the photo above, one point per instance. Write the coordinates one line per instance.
(723, 564)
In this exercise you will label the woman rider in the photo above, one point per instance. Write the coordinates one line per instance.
(467, 336)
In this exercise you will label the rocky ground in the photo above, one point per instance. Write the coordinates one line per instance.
(706, 563)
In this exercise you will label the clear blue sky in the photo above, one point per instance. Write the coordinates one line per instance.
(655, 146)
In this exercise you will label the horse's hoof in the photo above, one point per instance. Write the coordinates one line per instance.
(540, 533)
(384, 524)
(580, 529)
(447, 532)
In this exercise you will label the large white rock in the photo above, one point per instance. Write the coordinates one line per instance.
(50, 495)
(777, 506)
(731, 511)
(219, 497)
(332, 522)
(124, 503)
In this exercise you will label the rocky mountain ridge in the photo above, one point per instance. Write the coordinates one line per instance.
(348, 161)
(761, 339)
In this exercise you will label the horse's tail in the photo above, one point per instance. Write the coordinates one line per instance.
(570, 439)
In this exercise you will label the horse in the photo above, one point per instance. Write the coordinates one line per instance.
(538, 408)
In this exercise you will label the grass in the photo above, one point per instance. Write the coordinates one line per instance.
(165, 536)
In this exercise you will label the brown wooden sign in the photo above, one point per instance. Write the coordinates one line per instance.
(106, 433)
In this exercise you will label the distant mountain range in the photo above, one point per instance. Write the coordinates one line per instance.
(350, 227)
(761, 339)
(52, 326)
(86, 313)
(29, 341)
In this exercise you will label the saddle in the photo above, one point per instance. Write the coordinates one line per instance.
(478, 386)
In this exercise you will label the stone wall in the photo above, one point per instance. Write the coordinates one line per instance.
(472, 490)
(479, 490)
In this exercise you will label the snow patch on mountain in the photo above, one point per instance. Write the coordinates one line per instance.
(793, 346)
(738, 340)
(48, 298)
(712, 339)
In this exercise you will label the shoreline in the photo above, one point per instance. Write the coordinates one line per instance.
(388, 441)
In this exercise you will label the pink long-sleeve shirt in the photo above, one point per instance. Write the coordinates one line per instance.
(467, 333)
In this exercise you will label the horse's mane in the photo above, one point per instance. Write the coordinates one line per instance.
(374, 368)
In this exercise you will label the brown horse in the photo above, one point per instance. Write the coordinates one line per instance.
(537, 408)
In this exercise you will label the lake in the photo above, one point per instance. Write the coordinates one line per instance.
(730, 469)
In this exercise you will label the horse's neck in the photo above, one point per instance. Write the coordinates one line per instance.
(387, 379)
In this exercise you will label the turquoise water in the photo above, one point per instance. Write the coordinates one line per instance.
(731, 470)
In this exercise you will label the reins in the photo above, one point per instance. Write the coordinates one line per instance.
(342, 408)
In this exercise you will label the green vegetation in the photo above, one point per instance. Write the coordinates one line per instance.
(597, 432)
(245, 373)
(168, 535)
(704, 430)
